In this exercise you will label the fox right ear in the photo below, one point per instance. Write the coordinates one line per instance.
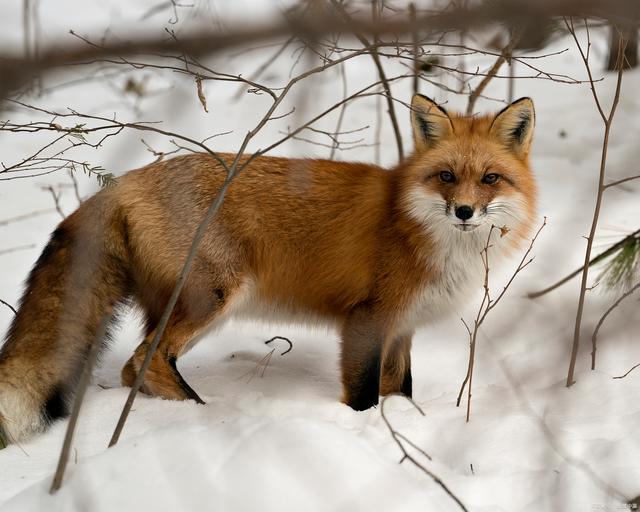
(430, 123)
(513, 126)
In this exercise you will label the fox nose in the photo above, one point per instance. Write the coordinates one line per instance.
(464, 212)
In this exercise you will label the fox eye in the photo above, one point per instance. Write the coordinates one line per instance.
(490, 178)
(447, 177)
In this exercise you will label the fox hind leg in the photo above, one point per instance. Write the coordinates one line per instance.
(193, 315)
(162, 377)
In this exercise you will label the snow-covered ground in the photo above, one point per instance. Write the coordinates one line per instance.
(275, 436)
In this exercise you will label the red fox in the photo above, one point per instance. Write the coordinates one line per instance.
(374, 252)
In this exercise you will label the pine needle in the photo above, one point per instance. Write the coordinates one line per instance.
(621, 270)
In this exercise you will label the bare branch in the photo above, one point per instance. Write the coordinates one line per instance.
(607, 120)
(17, 71)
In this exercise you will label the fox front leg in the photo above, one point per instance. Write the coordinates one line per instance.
(396, 366)
(363, 337)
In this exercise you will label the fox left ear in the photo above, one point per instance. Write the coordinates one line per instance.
(513, 126)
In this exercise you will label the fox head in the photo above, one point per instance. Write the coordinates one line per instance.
(469, 173)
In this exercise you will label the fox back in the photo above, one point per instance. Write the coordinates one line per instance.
(373, 252)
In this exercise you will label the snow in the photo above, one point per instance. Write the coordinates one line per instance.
(276, 437)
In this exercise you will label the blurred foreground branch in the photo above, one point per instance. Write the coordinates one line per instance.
(16, 71)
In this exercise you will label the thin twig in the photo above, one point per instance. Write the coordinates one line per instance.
(9, 306)
(416, 51)
(398, 438)
(621, 181)
(597, 259)
(336, 141)
(56, 199)
(262, 364)
(603, 318)
(261, 69)
(378, 131)
(632, 368)
(493, 71)
(26, 216)
(17, 248)
(381, 73)
(283, 339)
(76, 188)
(81, 388)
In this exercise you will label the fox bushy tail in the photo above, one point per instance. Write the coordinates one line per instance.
(81, 273)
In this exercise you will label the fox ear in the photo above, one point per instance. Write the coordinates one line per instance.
(513, 126)
(430, 123)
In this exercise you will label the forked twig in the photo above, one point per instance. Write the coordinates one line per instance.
(399, 438)
(487, 305)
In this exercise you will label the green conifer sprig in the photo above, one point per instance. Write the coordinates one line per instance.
(621, 271)
(104, 178)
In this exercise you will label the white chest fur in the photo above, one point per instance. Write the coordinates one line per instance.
(457, 274)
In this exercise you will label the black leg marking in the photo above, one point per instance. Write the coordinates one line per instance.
(366, 392)
(407, 384)
(185, 387)
(56, 406)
